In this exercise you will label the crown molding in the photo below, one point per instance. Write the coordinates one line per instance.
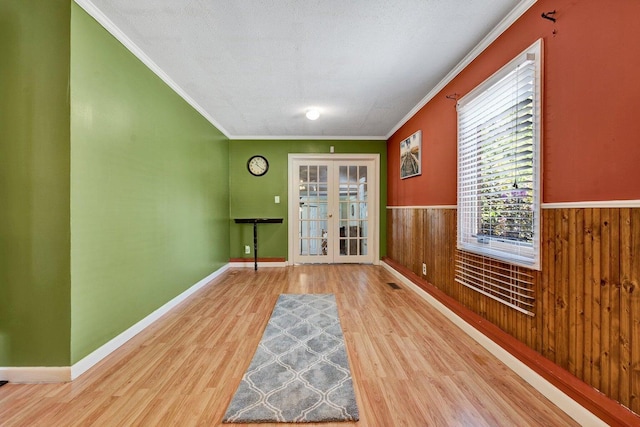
(308, 138)
(502, 26)
(113, 29)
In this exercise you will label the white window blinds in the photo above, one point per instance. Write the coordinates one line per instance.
(498, 164)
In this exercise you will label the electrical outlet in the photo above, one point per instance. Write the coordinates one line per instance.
(247, 249)
(424, 269)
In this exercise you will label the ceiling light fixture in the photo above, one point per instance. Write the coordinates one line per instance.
(312, 114)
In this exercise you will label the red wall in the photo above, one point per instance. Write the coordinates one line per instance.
(591, 107)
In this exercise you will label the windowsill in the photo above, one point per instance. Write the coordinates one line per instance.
(504, 250)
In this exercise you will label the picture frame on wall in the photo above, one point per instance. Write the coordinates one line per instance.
(411, 156)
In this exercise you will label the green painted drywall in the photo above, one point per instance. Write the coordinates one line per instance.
(34, 183)
(149, 190)
(252, 196)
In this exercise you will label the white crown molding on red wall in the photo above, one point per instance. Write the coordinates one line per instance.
(502, 26)
(102, 19)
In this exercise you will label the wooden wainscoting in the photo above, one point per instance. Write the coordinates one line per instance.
(416, 236)
(587, 311)
(590, 299)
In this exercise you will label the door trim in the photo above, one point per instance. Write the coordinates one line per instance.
(293, 206)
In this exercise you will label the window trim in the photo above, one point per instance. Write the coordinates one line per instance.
(467, 241)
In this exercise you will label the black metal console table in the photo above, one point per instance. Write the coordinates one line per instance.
(255, 222)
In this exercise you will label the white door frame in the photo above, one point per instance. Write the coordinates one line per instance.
(375, 200)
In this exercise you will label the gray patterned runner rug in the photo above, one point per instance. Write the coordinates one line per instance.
(300, 372)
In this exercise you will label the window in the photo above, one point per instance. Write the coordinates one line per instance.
(498, 164)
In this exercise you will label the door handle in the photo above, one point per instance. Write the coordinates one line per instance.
(330, 215)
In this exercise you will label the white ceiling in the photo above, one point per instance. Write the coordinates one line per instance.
(253, 67)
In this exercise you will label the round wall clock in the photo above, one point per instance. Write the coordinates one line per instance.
(258, 165)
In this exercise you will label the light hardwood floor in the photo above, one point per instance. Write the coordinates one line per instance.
(410, 365)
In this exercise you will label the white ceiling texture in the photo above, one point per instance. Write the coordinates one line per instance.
(254, 67)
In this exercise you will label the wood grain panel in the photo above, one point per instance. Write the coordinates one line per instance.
(587, 312)
(634, 308)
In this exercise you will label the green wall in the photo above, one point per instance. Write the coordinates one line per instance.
(149, 190)
(252, 196)
(34, 183)
(115, 194)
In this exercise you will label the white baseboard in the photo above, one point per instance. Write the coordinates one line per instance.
(69, 373)
(36, 374)
(251, 264)
(96, 356)
(551, 392)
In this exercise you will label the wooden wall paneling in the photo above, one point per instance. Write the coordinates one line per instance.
(452, 242)
(429, 248)
(542, 298)
(587, 309)
(595, 301)
(491, 309)
(399, 234)
(414, 241)
(614, 304)
(624, 379)
(435, 267)
(443, 237)
(410, 260)
(536, 328)
(398, 231)
(409, 239)
(605, 304)
(549, 326)
(432, 217)
(418, 241)
(588, 294)
(572, 285)
(634, 308)
(436, 238)
(434, 223)
(562, 290)
(430, 256)
(579, 281)
(447, 242)
(406, 231)
(390, 234)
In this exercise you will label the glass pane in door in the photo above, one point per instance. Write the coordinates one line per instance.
(353, 215)
(313, 222)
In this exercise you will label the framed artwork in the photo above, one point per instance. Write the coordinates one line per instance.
(411, 156)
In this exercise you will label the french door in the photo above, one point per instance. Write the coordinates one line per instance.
(333, 209)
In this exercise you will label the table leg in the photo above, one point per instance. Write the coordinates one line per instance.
(255, 246)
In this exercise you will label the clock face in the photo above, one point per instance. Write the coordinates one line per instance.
(258, 165)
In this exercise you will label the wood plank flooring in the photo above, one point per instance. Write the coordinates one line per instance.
(410, 365)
